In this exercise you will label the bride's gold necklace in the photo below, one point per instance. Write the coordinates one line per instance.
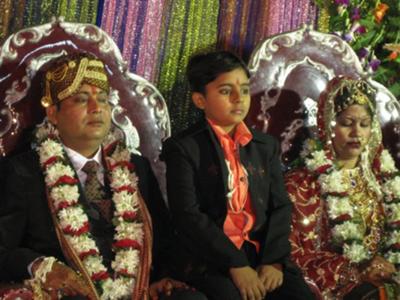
(367, 207)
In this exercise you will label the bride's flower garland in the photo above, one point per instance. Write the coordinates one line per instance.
(346, 231)
(63, 191)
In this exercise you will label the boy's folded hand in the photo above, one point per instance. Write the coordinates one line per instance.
(249, 284)
(271, 276)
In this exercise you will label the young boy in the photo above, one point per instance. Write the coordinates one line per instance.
(226, 193)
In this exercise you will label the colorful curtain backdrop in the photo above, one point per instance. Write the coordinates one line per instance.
(188, 27)
(157, 37)
(247, 23)
(135, 26)
(15, 15)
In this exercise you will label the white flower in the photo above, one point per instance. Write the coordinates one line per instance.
(392, 212)
(45, 130)
(93, 264)
(309, 146)
(125, 201)
(134, 179)
(122, 177)
(387, 162)
(49, 148)
(121, 155)
(394, 238)
(333, 182)
(347, 231)
(135, 200)
(126, 260)
(393, 257)
(338, 206)
(107, 287)
(73, 216)
(55, 171)
(318, 159)
(68, 193)
(355, 252)
(117, 289)
(392, 187)
(127, 230)
(82, 242)
(112, 136)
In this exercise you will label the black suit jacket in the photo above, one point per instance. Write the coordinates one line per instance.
(26, 227)
(197, 188)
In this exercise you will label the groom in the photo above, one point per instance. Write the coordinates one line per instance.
(74, 217)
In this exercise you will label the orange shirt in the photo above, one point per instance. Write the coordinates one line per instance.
(240, 218)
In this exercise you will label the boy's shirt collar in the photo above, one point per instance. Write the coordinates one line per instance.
(242, 134)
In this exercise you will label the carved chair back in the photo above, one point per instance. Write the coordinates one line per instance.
(290, 70)
(139, 110)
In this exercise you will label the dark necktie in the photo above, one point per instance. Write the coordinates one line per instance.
(95, 192)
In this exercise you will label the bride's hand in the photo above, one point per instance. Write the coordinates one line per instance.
(378, 271)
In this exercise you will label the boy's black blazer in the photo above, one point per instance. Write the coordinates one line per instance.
(197, 188)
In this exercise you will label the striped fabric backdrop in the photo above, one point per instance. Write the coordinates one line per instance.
(157, 37)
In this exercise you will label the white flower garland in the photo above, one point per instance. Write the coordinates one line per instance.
(347, 232)
(63, 190)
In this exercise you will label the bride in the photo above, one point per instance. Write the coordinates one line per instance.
(346, 196)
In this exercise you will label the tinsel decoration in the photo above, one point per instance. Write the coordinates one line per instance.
(188, 27)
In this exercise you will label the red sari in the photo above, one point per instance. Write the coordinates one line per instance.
(312, 250)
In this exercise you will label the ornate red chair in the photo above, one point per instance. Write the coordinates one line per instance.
(290, 70)
(139, 110)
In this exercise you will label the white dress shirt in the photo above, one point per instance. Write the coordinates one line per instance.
(78, 162)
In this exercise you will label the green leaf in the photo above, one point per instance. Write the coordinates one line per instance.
(377, 35)
(395, 89)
